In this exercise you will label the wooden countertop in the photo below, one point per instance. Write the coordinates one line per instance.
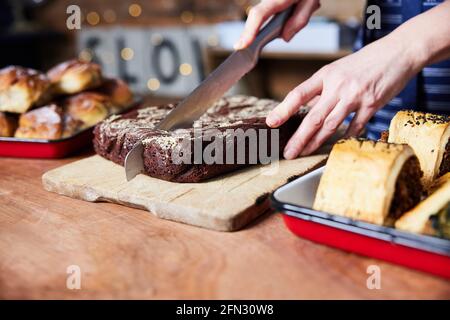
(128, 253)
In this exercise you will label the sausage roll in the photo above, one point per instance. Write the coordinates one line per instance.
(417, 219)
(369, 180)
(429, 136)
(22, 88)
(75, 76)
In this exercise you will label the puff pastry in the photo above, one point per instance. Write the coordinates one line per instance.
(89, 108)
(75, 76)
(119, 92)
(22, 88)
(369, 180)
(41, 123)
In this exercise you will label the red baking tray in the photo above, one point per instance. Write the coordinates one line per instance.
(50, 149)
(39, 148)
(422, 252)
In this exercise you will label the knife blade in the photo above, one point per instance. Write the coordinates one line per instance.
(238, 64)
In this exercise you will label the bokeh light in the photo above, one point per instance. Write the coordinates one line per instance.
(185, 69)
(135, 10)
(85, 55)
(109, 16)
(187, 16)
(153, 84)
(127, 54)
(93, 18)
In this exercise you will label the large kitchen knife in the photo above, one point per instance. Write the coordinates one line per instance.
(212, 88)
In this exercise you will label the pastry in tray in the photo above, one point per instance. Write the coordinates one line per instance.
(41, 123)
(8, 124)
(370, 181)
(118, 91)
(22, 88)
(74, 76)
(89, 108)
(66, 118)
(67, 91)
(431, 215)
(115, 137)
(429, 136)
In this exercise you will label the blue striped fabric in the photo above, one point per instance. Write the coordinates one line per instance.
(430, 89)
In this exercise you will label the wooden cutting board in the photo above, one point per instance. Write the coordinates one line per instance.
(226, 203)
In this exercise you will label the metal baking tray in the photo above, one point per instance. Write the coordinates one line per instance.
(422, 252)
(51, 149)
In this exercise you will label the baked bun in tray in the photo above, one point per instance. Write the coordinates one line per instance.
(118, 91)
(22, 88)
(8, 124)
(429, 136)
(89, 108)
(41, 123)
(370, 181)
(75, 76)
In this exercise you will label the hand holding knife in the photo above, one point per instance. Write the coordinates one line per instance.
(238, 64)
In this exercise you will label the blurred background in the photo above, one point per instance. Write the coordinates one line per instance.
(164, 48)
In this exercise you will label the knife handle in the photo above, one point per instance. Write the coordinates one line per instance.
(271, 30)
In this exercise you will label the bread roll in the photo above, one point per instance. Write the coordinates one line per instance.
(416, 220)
(75, 76)
(88, 107)
(8, 124)
(369, 180)
(41, 123)
(429, 136)
(22, 88)
(119, 92)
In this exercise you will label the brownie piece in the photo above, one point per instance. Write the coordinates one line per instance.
(164, 150)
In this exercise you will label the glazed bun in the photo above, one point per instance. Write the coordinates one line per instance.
(75, 76)
(41, 123)
(119, 92)
(22, 88)
(8, 124)
(89, 108)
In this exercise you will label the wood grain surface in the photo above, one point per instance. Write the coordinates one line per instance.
(226, 203)
(128, 253)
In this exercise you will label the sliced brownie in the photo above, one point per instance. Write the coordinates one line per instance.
(171, 155)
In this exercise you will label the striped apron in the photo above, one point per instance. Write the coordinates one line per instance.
(430, 89)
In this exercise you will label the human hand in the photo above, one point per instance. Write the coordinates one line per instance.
(362, 82)
(267, 8)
